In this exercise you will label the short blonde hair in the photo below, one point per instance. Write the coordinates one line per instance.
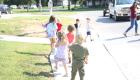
(79, 38)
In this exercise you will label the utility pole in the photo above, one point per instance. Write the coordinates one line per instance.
(40, 6)
(50, 6)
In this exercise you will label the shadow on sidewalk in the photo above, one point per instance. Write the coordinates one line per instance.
(134, 41)
(115, 38)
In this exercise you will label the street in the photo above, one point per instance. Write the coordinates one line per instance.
(123, 51)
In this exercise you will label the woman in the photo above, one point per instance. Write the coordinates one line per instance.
(133, 19)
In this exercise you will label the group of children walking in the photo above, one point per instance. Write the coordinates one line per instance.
(68, 47)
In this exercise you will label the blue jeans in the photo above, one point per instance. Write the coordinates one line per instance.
(133, 22)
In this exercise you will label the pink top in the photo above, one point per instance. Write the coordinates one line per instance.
(70, 37)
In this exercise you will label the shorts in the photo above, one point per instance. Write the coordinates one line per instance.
(88, 33)
(53, 40)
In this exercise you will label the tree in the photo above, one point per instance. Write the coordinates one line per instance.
(28, 3)
(1, 1)
(93, 3)
(69, 4)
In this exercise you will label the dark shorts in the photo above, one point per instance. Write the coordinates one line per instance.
(88, 33)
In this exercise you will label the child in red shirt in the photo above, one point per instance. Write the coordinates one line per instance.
(59, 25)
(70, 37)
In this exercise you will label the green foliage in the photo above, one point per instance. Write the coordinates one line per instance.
(19, 2)
(29, 2)
(1, 1)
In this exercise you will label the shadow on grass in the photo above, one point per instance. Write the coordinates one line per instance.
(45, 74)
(25, 34)
(34, 54)
(47, 56)
(42, 64)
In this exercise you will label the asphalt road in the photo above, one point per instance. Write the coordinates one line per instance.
(124, 51)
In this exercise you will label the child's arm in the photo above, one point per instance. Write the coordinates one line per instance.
(86, 60)
(57, 44)
(86, 56)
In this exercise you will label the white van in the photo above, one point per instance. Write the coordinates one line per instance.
(120, 9)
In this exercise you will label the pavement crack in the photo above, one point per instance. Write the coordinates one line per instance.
(120, 69)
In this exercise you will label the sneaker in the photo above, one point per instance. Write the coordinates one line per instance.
(92, 40)
(66, 75)
(124, 34)
(136, 34)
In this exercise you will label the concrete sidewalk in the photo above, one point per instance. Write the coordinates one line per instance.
(25, 39)
(106, 60)
(101, 65)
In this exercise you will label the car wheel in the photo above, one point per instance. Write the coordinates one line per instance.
(110, 16)
(116, 18)
(104, 14)
(138, 18)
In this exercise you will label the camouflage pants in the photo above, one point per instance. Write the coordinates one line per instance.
(77, 66)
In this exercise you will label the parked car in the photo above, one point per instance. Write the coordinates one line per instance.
(20, 7)
(120, 9)
(33, 6)
(0, 13)
(13, 7)
(5, 9)
(106, 9)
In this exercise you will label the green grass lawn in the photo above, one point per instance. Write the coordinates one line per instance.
(24, 61)
(58, 10)
(45, 11)
(27, 24)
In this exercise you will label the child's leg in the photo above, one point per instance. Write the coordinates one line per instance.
(65, 68)
(56, 65)
(53, 40)
(69, 56)
(91, 38)
(86, 38)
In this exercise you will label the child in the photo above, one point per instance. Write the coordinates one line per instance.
(89, 27)
(61, 52)
(59, 25)
(77, 26)
(79, 57)
(70, 34)
(70, 37)
(51, 29)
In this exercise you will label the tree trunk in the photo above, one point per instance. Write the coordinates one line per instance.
(93, 3)
(69, 4)
(75, 4)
